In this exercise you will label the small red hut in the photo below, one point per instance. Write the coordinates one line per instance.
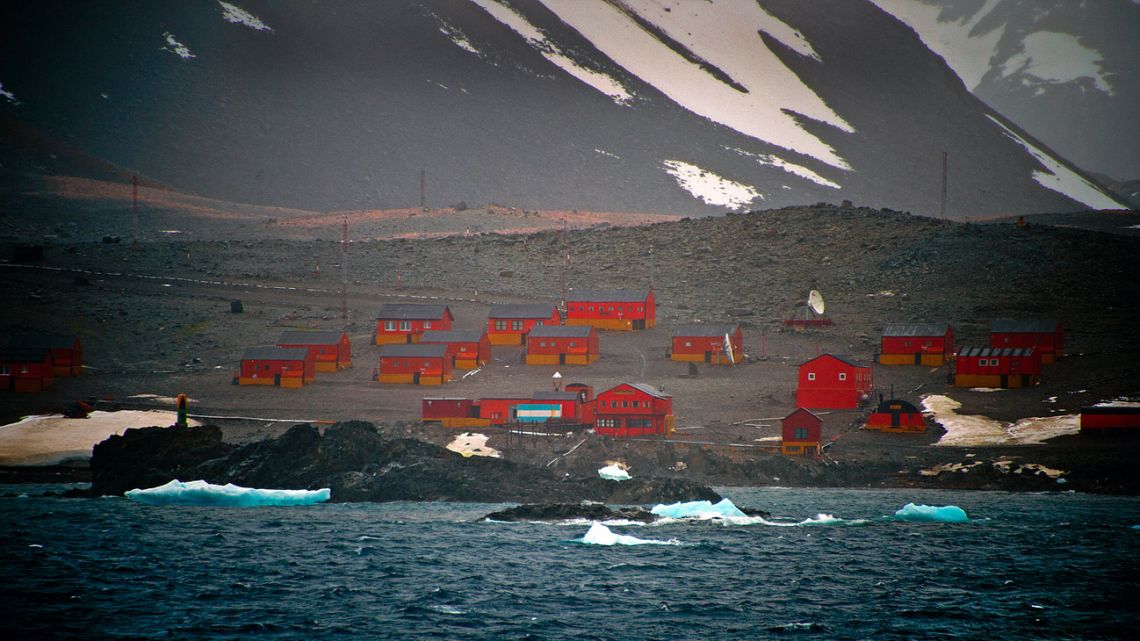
(331, 349)
(719, 344)
(930, 344)
(831, 382)
(614, 309)
(66, 350)
(1112, 419)
(25, 369)
(802, 434)
(633, 409)
(562, 345)
(414, 364)
(894, 415)
(990, 367)
(467, 349)
(509, 324)
(1044, 336)
(280, 366)
(405, 322)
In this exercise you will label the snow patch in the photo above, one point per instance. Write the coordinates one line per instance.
(459, 39)
(52, 439)
(599, 534)
(1057, 58)
(614, 472)
(237, 15)
(177, 48)
(971, 430)
(709, 187)
(472, 444)
(229, 495)
(610, 154)
(8, 95)
(770, 160)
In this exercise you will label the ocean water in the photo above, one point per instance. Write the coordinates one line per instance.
(1025, 566)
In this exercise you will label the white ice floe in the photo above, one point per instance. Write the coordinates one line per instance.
(472, 444)
(8, 95)
(709, 187)
(202, 493)
(534, 36)
(237, 15)
(52, 439)
(177, 48)
(614, 472)
(726, 35)
(931, 513)
(772, 160)
(610, 154)
(1057, 58)
(599, 534)
(974, 429)
(459, 39)
(1061, 179)
(698, 510)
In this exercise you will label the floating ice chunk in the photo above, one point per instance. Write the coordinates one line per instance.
(602, 535)
(237, 15)
(931, 513)
(202, 493)
(698, 510)
(613, 473)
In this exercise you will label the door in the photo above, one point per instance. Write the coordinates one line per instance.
(561, 359)
(277, 379)
(639, 324)
(416, 378)
(708, 357)
(1005, 380)
(918, 358)
(896, 419)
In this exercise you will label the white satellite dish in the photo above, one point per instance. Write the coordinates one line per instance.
(815, 302)
(728, 350)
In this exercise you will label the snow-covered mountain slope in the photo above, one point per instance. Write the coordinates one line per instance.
(1066, 71)
(616, 105)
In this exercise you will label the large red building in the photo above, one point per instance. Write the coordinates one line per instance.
(930, 344)
(801, 433)
(25, 369)
(405, 322)
(414, 364)
(66, 350)
(562, 345)
(990, 367)
(633, 409)
(280, 366)
(508, 324)
(331, 350)
(615, 309)
(468, 348)
(831, 382)
(1044, 336)
(719, 344)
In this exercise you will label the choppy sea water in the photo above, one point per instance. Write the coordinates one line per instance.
(1026, 566)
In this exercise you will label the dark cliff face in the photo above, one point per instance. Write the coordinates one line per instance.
(357, 464)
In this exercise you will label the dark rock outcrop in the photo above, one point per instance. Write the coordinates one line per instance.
(567, 511)
(357, 464)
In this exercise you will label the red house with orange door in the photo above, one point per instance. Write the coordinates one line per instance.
(1046, 337)
(895, 415)
(802, 434)
(281, 366)
(405, 322)
(990, 367)
(719, 344)
(615, 309)
(562, 345)
(930, 344)
(834, 383)
(414, 364)
(66, 350)
(508, 324)
(467, 348)
(331, 350)
(25, 369)
(633, 409)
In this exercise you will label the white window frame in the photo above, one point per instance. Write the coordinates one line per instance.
(811, 376)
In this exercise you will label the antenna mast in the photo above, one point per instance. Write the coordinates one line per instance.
(344, 273)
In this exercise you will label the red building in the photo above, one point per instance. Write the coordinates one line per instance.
(616, 309)
(66, 350)
(414, 364)
(280, 366)
(562, 345)
(894, 415)
(331, 350)
(467, 349)
(930, 344)
(452, 412)
(1116, 420)
(802, 434)
(717, 344)
(25, 369)
(509, 324)
(1046, 337)
(633, 409)
(990, 367)
(830, 382)
(405, 322)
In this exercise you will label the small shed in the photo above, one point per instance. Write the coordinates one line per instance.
(332, 350)
(405, 322)
(1116, 420)
(613, 309)
(468, 348)
(26, 369)
(718, 344)
(832, 382)
(280, 366)
(930, 344)
(1044, 336)
(997, 367)
(66, 350)
(801, 434)
(634, 409)
(562, 345)
(896, 415)
(508, 324)
(414, 364)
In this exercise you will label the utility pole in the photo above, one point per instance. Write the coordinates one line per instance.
(344, 273)
(942, 208)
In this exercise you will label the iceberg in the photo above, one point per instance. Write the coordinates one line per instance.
(202, 493)
(931, 514)
(613, 473)
(599, 534)
(698, 510)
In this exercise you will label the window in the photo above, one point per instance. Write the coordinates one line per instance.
(5, 370)
(688, 343)
(427, 324)
(517, 325)
(607, 422)
(542, 343)
(638, 422)
(625, 403)
(983, 362)
(500, 325)
(639, 309)
(801, 433)
(842, 376)
(792, 448)
(613, 403)
(591, 308)
(573, 344)
(405, 326)
(906, 343)
(389, 326)
(427, 364)
(811, 376)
